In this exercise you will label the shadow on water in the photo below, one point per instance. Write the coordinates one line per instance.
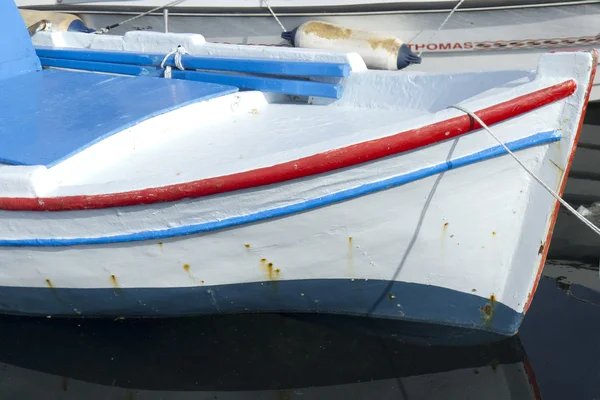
(231, 357)
(289, 357)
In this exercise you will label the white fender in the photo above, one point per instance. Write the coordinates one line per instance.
(378, 51)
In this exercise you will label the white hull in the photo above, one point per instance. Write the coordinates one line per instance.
(454, 49)
(169, 197)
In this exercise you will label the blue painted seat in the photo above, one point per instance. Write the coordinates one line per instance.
(47, 116)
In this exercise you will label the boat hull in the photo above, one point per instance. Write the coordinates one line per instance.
(388, 254)
(386, 202)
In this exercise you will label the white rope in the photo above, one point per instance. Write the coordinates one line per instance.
(274, 15)
(178, 52)
(104, 30)
(441, 26)
(552, 192)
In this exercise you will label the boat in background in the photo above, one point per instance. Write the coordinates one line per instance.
(158, 175)
(480, 35)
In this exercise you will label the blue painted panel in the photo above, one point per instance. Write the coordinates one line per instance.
(17, 55)
(50, 115)
(249, 65)
(526, 142)
(418, 303)
(266, 84)
(106, 67)
(285, 86)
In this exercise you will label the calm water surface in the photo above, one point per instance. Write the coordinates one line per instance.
(555, 356)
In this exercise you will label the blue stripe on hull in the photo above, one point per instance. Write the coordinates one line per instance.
(489, 153)
(404, 301)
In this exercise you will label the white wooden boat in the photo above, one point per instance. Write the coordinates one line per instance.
(480, 35)
(316, 186)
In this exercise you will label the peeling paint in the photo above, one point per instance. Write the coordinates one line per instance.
(541, 248)
(488, 310)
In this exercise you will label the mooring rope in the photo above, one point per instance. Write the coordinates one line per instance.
(178, 52)
(109, 27)
(534, 176)
(441, 26)
(274, 15)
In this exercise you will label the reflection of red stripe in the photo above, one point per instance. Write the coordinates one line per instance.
(532, 381)
(303, 167)
(560, 191)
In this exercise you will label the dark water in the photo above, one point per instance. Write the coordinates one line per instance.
(555, 356)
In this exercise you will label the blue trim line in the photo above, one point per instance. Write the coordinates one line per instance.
(411, 302)
(523, 143)
(249, 65)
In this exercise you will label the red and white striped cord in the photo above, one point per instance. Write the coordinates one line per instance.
(536, 43)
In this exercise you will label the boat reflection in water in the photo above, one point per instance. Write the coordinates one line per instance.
(248, 357)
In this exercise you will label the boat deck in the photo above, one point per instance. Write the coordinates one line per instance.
(54, 114)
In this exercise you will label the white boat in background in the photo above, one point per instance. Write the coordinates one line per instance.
(269, 179)
(481, 35)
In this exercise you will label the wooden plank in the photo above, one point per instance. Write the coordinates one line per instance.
(248, 65)
(284, 86)
(266, 84)
(110, 68)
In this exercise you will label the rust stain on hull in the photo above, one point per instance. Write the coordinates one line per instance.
(115, 284)
(488, 310)
(350, 258)
(268, 267)
(187, 268)
(444, 235)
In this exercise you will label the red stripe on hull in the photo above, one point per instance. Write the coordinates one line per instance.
(564, 179)
(303, 167)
